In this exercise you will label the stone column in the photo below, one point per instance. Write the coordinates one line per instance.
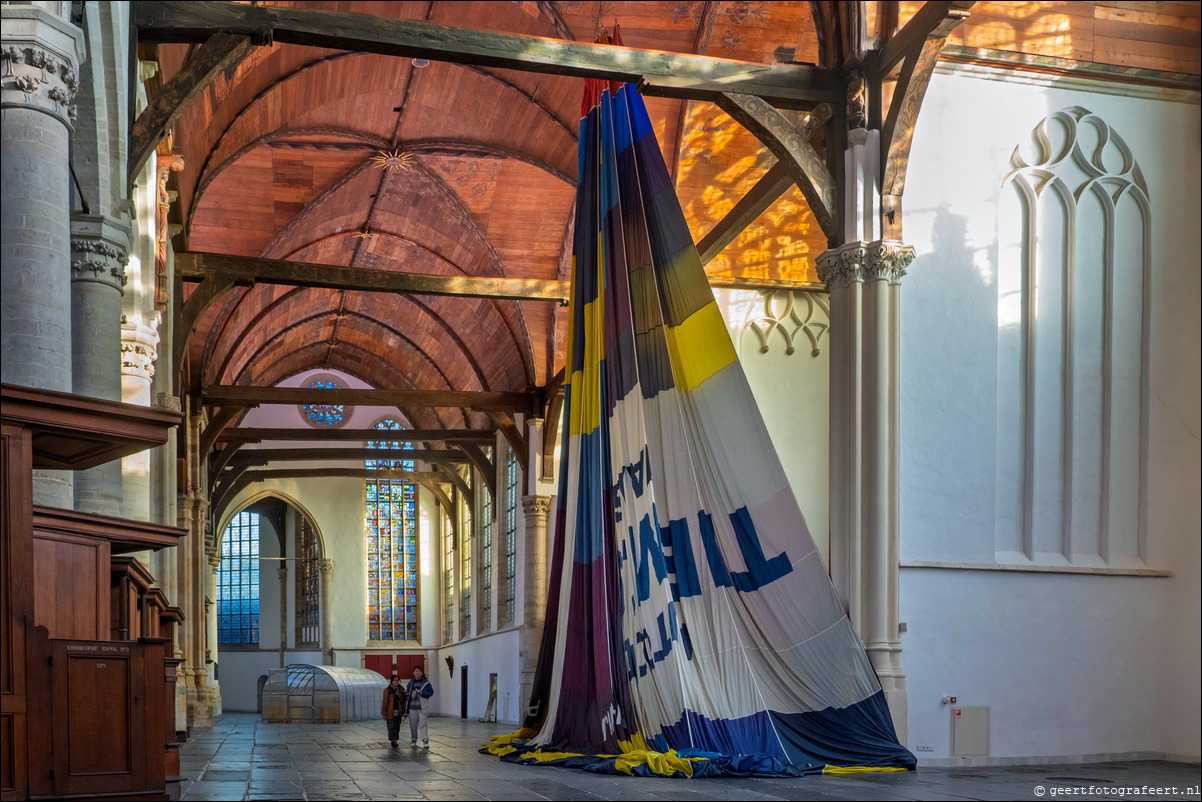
(99, 253)
(283, 574)
(864, 280)
(212, 649)
(40, 53)
(327, 645)
(138, 355)
(534, 609)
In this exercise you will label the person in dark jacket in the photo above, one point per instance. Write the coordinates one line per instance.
(419, 690)
(393, 707)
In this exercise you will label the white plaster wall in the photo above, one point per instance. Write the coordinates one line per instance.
(793, 394)
(495, 653)
(1070, 664)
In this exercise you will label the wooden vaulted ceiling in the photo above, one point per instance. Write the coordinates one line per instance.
(279, 163)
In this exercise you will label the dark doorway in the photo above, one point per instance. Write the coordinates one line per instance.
(463, 692)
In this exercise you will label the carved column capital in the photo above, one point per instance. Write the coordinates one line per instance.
(885, 260)
(99, 250)
(39, 78)
(536, 506)
(137, 359)
(888, 260)
(327, 566)
(167, 401)
(98, 261)
(841, 267)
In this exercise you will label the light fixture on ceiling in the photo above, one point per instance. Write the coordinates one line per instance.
(366, 233)
(394, 160)
(421, 62)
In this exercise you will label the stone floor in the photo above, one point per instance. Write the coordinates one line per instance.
(242, 757)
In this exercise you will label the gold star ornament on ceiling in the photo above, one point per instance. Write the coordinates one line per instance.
(395, 160)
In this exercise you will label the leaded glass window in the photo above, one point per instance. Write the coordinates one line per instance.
(238, 581)
(324, 416)
(465, 579)
(308, 585)
(511, 529)
(485, 561)
(448, 566)
(391, 531)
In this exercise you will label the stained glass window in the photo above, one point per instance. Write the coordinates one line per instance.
(391, 531)
(511, 528)
(324, 416)
(448, 565)
(308, 585)
(485, 560)
(465, 579)
(238, 581)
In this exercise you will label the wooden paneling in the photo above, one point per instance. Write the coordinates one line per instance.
(16, 605)
(71, 585)
(107, 707)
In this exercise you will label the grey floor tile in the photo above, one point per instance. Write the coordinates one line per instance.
(240, 757)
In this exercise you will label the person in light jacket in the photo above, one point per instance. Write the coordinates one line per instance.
(392, 708)
(419, 690)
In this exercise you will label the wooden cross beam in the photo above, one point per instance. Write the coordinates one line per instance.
(230, 486)
(766, 192)
(917, 46)
(791, 147)
(265, 455)
(258, 435)
(251, 269)
(658, 73)
(217, 54)
(485, 401)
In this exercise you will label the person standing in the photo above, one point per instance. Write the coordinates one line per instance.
(392, 708)
(419, 690)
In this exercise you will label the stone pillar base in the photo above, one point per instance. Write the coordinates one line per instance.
(204, 705)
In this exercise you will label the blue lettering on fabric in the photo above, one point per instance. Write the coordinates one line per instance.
(643, 654)
(682, 565)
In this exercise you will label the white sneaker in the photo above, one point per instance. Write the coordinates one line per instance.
(413, 744)
(425, 744)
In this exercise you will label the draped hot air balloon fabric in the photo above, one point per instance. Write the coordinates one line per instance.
(691, 626)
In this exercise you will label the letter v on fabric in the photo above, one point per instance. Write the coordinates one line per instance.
(691, 625)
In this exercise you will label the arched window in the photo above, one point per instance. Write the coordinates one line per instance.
(486, 557)
(308, 585)
(238, 581)
(465, 579)
(448, 568)
(391, 531)
(324, 416)
(511, 528)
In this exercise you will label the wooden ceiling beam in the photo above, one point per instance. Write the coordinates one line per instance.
(230, 486)
(919, 46)
(485, 401)
(354, 473)
(314, 454)
(766, 192)
(935, 18)
(193, 266)
(790, 144)
(219, 52)
(485, 467)
(259, 435)
(659, 73)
